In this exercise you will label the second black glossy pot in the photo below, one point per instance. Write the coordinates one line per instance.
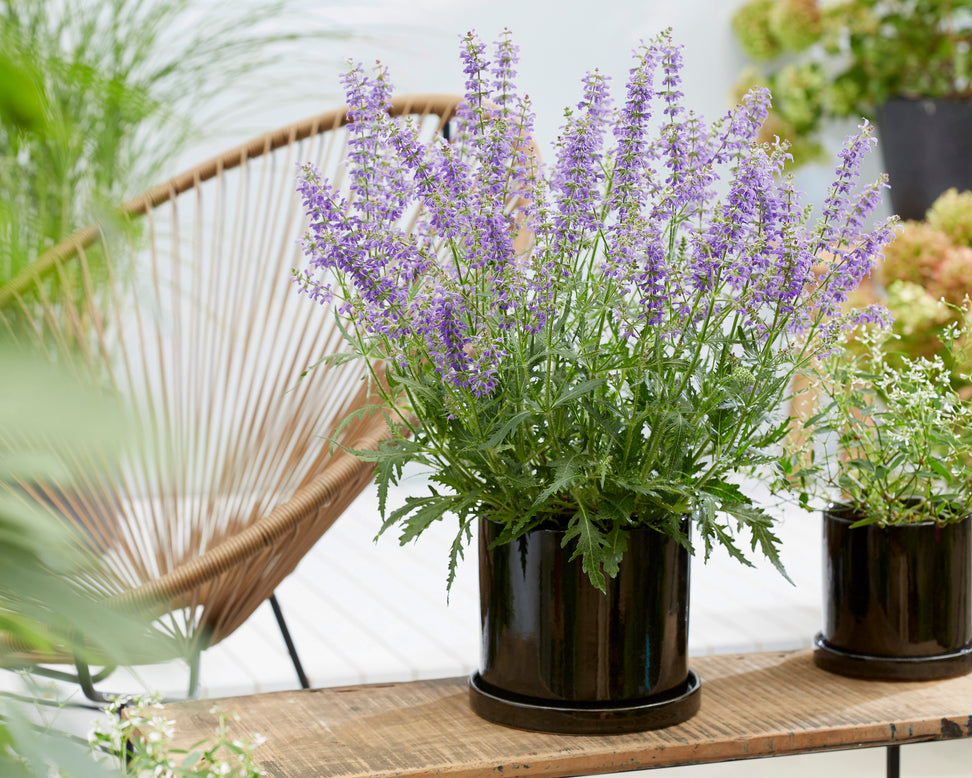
(560, 655)
(927, 148)
(897, 599)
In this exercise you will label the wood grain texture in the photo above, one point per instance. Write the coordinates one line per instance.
(753, 705)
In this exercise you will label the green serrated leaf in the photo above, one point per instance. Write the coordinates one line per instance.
(419, 515)
(615, 544)
(565, 473)
(759, 523)
(724, 490)
(710, 529)
(577, 391)
(588, 545)
(500, 434)
(462, 538)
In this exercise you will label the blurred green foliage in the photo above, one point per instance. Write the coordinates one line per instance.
(52, 429)
(97, 97)
(928, 274)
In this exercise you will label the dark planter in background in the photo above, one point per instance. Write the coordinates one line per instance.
(560, 656)
(927, 149)
(897, 599)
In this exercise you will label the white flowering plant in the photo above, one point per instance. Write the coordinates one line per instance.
(894, 435)
(138, 735)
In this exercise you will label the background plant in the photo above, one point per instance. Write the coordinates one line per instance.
(56, 429)
(894, 436)
(628, 361)
(831, 60)
(929, 261)
(97, 97)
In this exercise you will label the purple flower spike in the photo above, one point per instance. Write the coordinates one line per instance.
(835, 229)
(579, 170)
(504, 74)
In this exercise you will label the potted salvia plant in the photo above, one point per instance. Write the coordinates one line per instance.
(591, 399)
(906, 64)
(897, 542)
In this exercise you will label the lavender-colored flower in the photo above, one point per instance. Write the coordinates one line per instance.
(439, 319)
(474, 67)
(835, 227)
(851, 265)
(742, 125)
(608, 199)
(631, 174)
(631, 253)
(504, 93)
(794, 259)
(736, 222)
(675, 132)
(860, 209)
(579, 170)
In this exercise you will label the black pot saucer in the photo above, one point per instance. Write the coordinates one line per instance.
(609, 718)
(890, 668)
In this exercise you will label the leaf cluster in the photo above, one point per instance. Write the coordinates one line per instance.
(591, 432)
(141, 741)
(59, 431)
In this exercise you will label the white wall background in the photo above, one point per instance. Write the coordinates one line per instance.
(560, 40)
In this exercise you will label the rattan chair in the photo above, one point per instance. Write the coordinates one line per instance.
(192, 319)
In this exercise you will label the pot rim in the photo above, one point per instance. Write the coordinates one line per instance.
(844, 513)
(555, 531)
(952, 100)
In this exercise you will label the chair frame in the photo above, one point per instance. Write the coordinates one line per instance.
(342, 475)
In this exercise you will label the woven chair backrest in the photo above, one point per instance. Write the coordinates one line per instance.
(185, 311)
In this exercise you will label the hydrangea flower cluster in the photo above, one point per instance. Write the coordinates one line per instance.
(596, 343)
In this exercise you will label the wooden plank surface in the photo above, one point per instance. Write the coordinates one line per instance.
(752, 705)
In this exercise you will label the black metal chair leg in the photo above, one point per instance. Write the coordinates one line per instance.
(86, 682)
(194, 661)
(301, 676)
(894, 761)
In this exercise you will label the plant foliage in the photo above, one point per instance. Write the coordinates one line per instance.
(601, 344)
(97, 97)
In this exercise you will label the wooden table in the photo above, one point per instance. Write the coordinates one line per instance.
(753, 705)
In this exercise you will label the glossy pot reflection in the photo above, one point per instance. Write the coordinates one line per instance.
(548, 634)
(902, 593)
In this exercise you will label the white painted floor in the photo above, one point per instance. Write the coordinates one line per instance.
(362, 612)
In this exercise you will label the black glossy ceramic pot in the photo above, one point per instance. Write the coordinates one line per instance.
(897, 599)
(560, 656)
(927, 148)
